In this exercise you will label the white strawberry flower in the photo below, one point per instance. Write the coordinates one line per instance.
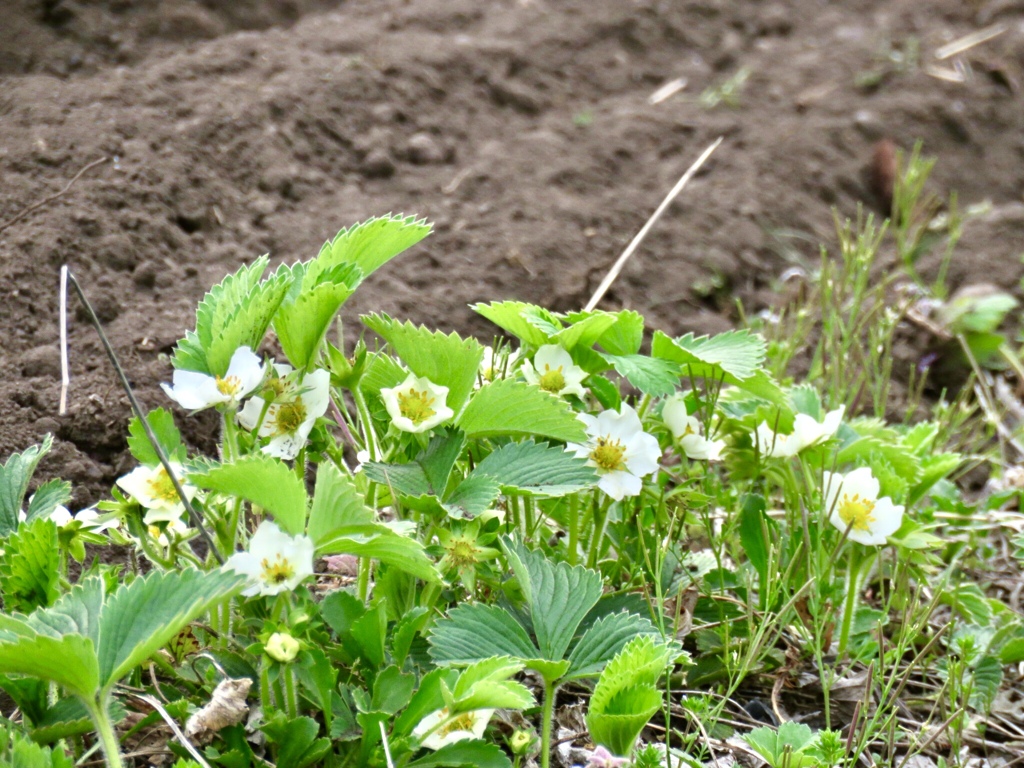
(553, 371)
(689, 431)
(439, 728)
(93, 520)
(195, 391)
(298, 402)
(275, 562)
(852, 502)
(153, 488)
(807, 431)
(619, 449)
(491, 368)
(172, 530)
(417, 404)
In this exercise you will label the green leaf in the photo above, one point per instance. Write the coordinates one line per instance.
(75, 613)
(933, 469)
(261, 480)
(740, 353)
(473, 496)
(46, 499)
(296, 740)
(469, 752)
(970, 312)
(606, 392)
(509, 407)
(302, 321)
(236, 312)
(538, 469)
(406, 479)
(29, 568)
(605, 638)
(510, 317)
(720, 361)
(166, 433)
(371, 244)
(806, 399)
(651, 375)
(559, 596)
(15, 475)
(370, 631)
(585, 329)
(382, 543)
(987, 678)
(756, 528)
(337, 503)
(473, 632)
(785, 746)
(622, 717)
(450, 361)
(69, 661)
(139, 619)
(626, 336)
(392, 690)
(381, 371)
(867, 449)
(439, 458)
(67, 718)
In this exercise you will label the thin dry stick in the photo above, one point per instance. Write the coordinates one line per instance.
(193, 516)
(65, 378)
(155, 703)
(618, 265)
(51, 198)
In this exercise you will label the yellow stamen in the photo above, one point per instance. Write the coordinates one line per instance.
(277, 572)
(229, 385)
(856, 512)
(609, 454)
(463, 722)
(161, 486)
(415, 405)
(289, 417)
(462, 552)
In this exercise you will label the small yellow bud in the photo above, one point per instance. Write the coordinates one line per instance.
(282, 647)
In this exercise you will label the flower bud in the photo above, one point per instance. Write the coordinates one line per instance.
(282, 647)
(519, 742)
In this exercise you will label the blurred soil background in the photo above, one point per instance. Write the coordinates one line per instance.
(525, 130)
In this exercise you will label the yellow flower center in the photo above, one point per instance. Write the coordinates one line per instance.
(552, 380)
(277, 572)
(415, 405)
(608, 455)
(462, 551)
(856, 512)
(161, 487)
(463, 722)
(289, 416)
(229, 385)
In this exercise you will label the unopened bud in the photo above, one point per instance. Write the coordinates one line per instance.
(282, 647)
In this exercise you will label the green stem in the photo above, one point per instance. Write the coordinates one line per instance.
(105, 730)
(600, 522)
(853, 575)
(574, 528)
(547, 719)
(364, 578)
(291, 700)
(266, 694)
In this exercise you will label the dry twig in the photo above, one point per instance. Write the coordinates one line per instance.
(51, 198)
(635, 243)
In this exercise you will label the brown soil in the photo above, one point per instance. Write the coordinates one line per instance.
(522, 128)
